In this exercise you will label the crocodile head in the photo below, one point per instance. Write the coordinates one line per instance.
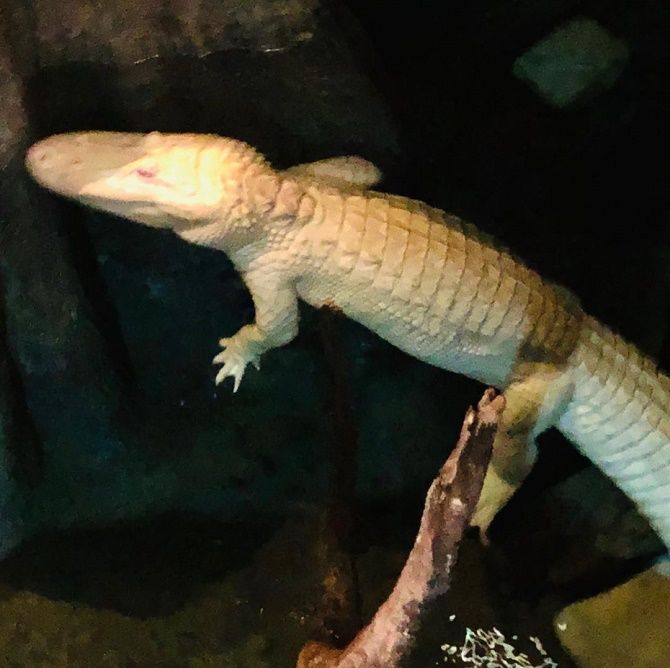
(176, 181)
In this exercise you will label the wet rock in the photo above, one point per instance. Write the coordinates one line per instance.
(576, 61)
(626, 626)
(123, 32)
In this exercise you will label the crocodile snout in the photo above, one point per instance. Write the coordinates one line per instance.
(47, 155)
(64, 163)
(38, 154)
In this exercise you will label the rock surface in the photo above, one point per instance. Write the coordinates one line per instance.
(626, 626)
(578, 59)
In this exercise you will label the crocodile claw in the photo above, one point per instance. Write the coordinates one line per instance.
(234, 358)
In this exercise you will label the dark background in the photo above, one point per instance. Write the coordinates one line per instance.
(579, 191)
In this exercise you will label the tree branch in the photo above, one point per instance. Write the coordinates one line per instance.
(450, 502)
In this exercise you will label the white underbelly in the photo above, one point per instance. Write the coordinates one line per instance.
(416, 331)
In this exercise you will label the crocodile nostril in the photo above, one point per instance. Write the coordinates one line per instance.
(37, 154)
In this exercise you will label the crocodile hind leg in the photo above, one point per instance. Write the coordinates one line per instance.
(514, 450)
(513, 457)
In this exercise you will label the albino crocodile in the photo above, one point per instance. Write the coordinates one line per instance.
(421, 279)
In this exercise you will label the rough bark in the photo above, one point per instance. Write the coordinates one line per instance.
(450, 502)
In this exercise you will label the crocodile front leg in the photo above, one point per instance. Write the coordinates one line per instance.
(276, 304)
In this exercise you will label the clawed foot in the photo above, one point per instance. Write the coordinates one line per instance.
(495, 494)
(236, 355)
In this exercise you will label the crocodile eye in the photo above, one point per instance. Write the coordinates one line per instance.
(146, 173)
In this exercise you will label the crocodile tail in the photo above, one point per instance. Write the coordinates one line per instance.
(619, 417)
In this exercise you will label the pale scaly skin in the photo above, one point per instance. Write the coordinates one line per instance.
(425, 281)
